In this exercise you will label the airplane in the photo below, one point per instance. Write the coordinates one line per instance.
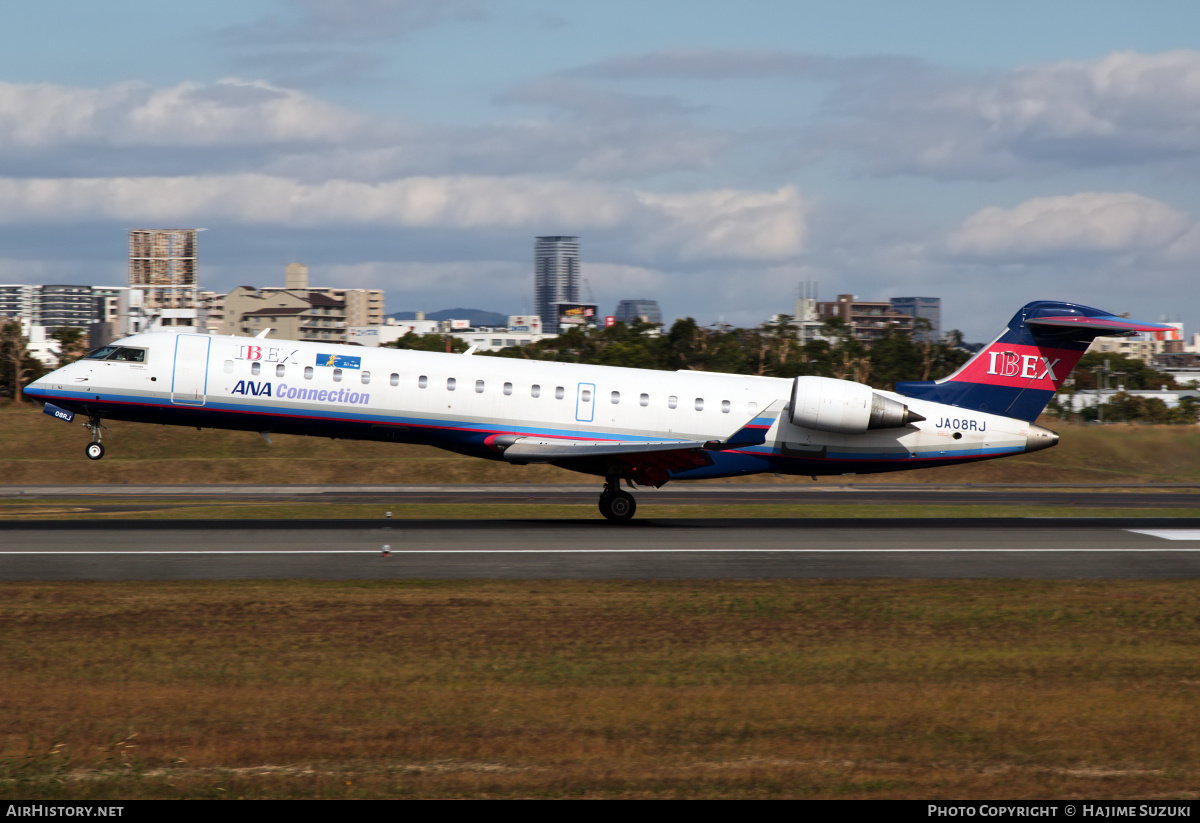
(643, 426)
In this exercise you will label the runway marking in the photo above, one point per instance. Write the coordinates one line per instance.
(604, 551)
(1169, 534)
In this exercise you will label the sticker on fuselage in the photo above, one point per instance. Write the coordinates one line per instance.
(339, 361)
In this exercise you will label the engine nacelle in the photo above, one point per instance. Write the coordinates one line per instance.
(845, 407)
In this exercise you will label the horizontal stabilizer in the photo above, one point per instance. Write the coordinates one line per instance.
(1102, 326)
(545, 450)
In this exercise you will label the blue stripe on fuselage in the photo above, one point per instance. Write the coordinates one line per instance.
(470, 437)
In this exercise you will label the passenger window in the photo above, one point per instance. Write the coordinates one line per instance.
(255, 368)
(451, 383)
(422, 382)
(752, 407)
(672, 402)
(308, 372)
(279, 370)
(724, 407)
(699, 404)
(229, 367)
(508, 388)
(366, 377)
(644, 399)
(479, 387)
(559, 394)
(535, 390)
(616, 397)
(337, 375)
(395, 379)
(586, 395)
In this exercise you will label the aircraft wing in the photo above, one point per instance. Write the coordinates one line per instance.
(548, 449)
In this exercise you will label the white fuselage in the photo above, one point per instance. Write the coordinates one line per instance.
(460, 401)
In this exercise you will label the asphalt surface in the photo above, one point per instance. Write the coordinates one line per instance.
(115, 498)
(647, 548)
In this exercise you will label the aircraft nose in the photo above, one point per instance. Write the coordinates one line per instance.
(1040, 438)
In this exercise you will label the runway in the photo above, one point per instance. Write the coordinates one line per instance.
(664, 549)
(116, 499)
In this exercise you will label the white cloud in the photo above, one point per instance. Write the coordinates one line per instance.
(1125, 108)
(611, 282)
(765, 225)
(230, 112)
(725, 223)
(237, 124)
(1086, 223)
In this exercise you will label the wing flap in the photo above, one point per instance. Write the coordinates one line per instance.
(545, 450)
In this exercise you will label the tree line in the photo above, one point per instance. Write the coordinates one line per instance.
(19, 368)
(770, 350)
(1122, 407)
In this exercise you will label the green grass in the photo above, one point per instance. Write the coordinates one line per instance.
(795, 688)
(41, 450)
(67, 509)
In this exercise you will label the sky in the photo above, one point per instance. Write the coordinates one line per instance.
(710, 155)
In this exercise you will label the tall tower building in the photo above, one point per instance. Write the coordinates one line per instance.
(556, 277)
(162, 265)
(295, 277)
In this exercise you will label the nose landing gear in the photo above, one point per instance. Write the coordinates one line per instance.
(616, 505)
(95, 449)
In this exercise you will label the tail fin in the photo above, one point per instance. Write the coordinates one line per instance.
(1019, 372)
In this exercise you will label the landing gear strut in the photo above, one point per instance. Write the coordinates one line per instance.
(95, 449)
(616, 505)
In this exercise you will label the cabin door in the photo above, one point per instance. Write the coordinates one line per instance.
(585, 408)
(189, 381)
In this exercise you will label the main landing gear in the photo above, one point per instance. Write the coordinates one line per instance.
(95, 449)
(616, 505)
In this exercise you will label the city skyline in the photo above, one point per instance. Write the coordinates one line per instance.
(711, 156)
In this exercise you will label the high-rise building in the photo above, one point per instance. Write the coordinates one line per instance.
(16, 301)
(929, 308)
(631, 311)
(867, 320)
(57, 305)
(162, 265)
(556, 277)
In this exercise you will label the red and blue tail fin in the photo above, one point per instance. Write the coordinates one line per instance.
(1017, 375)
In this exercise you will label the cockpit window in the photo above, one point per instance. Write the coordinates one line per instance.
(125, 353)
